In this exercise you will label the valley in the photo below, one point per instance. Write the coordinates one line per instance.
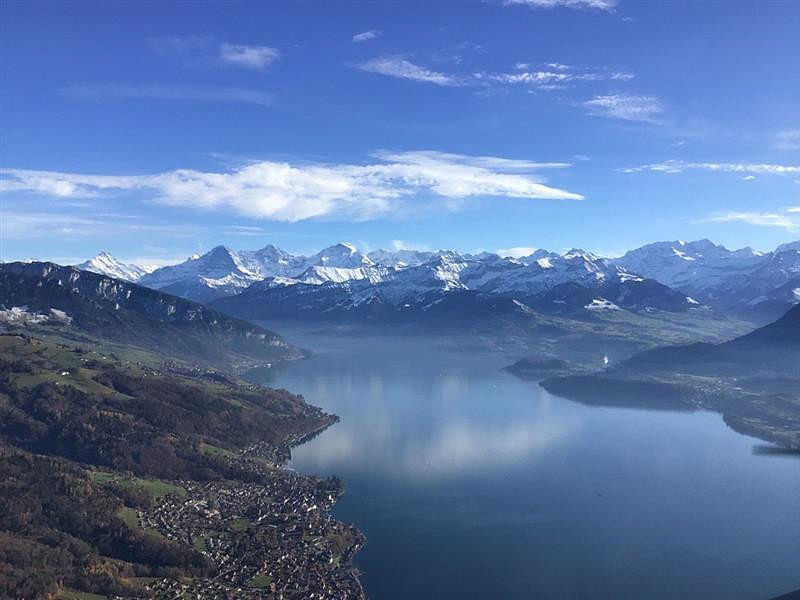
(134, 395)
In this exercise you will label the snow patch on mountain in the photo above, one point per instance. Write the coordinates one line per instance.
(20, 315)
(600, 304)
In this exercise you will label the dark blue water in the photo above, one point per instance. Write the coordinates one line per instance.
(470, 483)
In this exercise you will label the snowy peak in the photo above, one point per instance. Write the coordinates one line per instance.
(579, 253)
(218, 272)
(105, 264)
(271, 261)
(341, 255)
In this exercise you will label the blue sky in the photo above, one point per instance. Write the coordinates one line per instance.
(155, 131)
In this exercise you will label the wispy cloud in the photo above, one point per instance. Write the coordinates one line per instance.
(626, 107)
(546, 76)
(15, 225)
(44, 224)
(167, 91)
(292, 192)
(482, 162)
(365, 36)
(516, 251)
(788, 139)
(679, 166)
(205, 52)
(762, 219)
(397, 66)
(604, 5)
(551, 76)
(249, 57)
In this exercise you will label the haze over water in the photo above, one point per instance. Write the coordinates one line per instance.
(470, 483)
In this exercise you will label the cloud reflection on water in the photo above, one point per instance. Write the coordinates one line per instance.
(423, 422)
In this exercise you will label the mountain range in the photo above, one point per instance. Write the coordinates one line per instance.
(341, 281)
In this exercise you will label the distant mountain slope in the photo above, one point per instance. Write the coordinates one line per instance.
(105, 264)
(754, 380)
(743, 281)
(126, 313)
(774, 347)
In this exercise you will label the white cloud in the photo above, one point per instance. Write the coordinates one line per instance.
(249, 57)
(788, 139)
(170, 91)
(606, 5)
(626, 107)
(397, 66)
(367, 35)
(793, 209)
(287, 192)
(515, 252)
(46, 185)
(758, 218)
(679, 166)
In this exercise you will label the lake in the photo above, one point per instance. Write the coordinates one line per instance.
(470, 483)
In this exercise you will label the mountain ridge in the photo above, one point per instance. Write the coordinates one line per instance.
(755, 285)
(75, 301)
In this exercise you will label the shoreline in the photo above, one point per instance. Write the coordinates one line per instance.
(285, 519)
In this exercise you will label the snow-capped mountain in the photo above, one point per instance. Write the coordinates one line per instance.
(105, 264)
(695, 265)
(271, 261)
(712, 274)
(672, 276)
(223, 272)
(219, 272)
(402, 258)
(575, 283)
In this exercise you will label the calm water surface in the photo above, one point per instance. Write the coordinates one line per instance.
(470, 483)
